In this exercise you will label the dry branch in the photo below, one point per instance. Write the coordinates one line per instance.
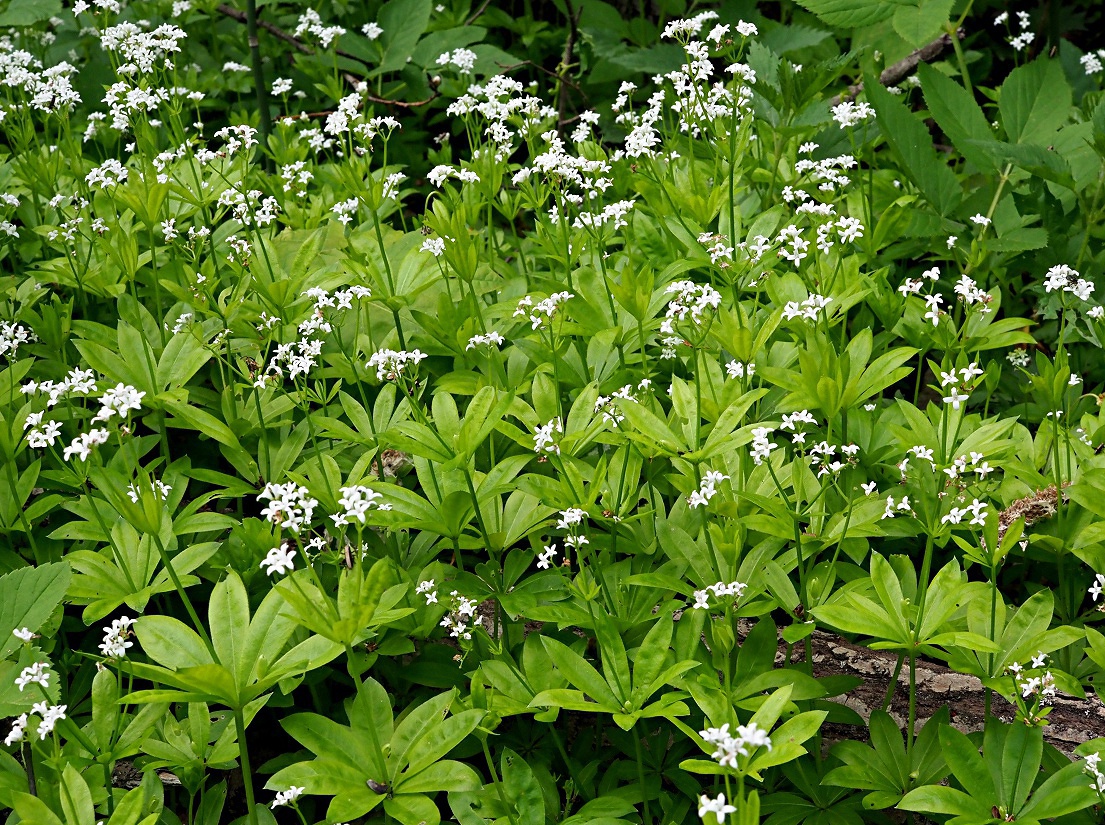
(896, 72)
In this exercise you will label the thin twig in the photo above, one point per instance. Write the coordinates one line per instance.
(262, 89)
(272, 29)
(476, 15)
(896, 72)
(303, 48)
(566, 59)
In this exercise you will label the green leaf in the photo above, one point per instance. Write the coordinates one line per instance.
(21, 13)
(920, 24)
(33, 810)
(522, 790)
(579, 672)
(1020, 764)
(1034, 101)
(851, 14)
(228, 619)
(76, 799)
(171, 643)
(910, 141)
(403, 22)
(957, 113)
(28, 596)
(967, 765)
(934, 799)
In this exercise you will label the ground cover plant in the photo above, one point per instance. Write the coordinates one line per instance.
(420, 413)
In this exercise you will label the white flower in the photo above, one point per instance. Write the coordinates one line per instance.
(19, 726)
(980, 219)
(35, 674)
(278, 560)
(718, 807)
(23, 634)
(371, 30)
(849, 113)
(545, 557)
(490, 339)
(543, 438)
(707, 489)
(116, 642)
(435, 246)
(289, 505)
(356, 501)
(429, 590)
(287, 797)
(1097, 587)
(390, 364)
(50, 718)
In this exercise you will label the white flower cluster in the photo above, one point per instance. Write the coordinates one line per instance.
(141, 51)
(463, 60)
(976, 510)
(718, 807)
(1062, 277)
(160, 489)
(356, 501)
(1022, 40)
(822, 456)
(50, 716)
(761, 444)
(545, 557)
(1042, 687)
(120, 400)
(569, 520)
(544, 440)
(614, 213)
(36, 674)
(108, 174)
(689, 299)
(608, 405)
(390, 364)
(737, 369)
(441, 173)
(1091, 767)
(310, 23)
(41, 435)
(279, 560)
(543, 310)
(849, 113)
(1092, 62)
(719, 590)
(77, 382)
(289, 796)
(893, 509)
(728, 748)
(289, 505)
(490, 339)
(961, 384)
(456, 621)
(117, 638)
(252, 208)
(707, 489)
(968, 291)
(12, 337)
(82, 445)
(427, 589)
(808, 309)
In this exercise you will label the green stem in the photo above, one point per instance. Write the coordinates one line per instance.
(196, 623)
(247, 772)
(641, 779)
(498, 785)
